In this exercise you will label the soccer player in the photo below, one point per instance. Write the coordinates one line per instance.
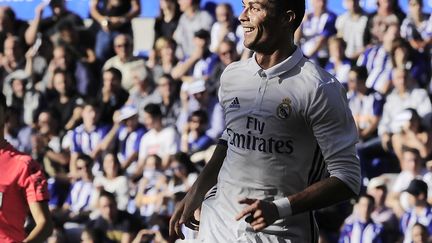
(289, 143)
(22, 187)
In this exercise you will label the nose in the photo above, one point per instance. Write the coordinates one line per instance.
(243, 15)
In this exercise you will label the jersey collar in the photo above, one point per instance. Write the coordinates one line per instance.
(280, 68)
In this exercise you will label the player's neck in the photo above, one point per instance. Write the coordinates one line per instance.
(268, 60)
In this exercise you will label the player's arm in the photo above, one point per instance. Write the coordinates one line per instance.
(195, 196)
(42, 218)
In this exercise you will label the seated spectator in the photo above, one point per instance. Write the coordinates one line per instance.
(414, 26)
(13, 58)
(317, 27)
(91, 236)
(63, 59)
(169, 100)
(202, 100)
(413, 134)
(378, 62)
(124, 60)
(112, 96)
(403, 56)
(12, 127)
(184, 175)
(21, 94)
(66, 103)
(404, 95)
(420, 234)
(363, 228)
(420, 211)
(159, 140)
(162, 59)
(149, 197)
(167, 20)
(388, 13)
(226, 27)
(125, 136)
(382, 214)
(227, 54)
(49, 26)
(112, 180)
(411, 167)
(113, 18)
(191, 20)
(113, 225)
(338, 65)
(86, 138)
(351, 26)
(78, 204)
(366, 105)
(10, 25)
(200, 63)
(194, 138)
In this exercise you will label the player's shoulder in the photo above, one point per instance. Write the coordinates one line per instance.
(236, 70)
(22, 160)
(315, 75)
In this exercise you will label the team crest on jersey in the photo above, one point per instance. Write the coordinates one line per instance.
(284, 109)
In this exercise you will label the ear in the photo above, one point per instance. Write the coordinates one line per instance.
(288, 17)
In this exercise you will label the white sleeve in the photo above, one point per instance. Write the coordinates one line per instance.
(221, 94)
(335, 131)
(142, 153)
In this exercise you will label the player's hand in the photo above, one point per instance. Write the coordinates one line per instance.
(184, 214)
(261, 213)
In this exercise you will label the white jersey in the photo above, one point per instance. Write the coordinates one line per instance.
(281, 125)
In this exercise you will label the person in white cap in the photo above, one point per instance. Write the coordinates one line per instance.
(289, 143)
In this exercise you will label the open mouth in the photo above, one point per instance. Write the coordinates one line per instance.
(248, 29)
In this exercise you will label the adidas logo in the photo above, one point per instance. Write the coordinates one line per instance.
(235, 103)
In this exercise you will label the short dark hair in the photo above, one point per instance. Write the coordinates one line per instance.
(297, 6)
(3, 101)
(87, 159)
(154, 110)
(108, 195)
(202, 114)
(115, 72)
(361, 71)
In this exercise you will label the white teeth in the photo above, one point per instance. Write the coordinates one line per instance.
(248, 29)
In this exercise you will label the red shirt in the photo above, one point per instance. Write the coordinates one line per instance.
(21, 183)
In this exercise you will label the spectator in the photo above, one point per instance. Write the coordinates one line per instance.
(227, 54)
(420, 234)
(382, 214)
(159, 140)
(226, 27)
(125, 135)
(366, 104)
(49, 26)
(420, 211)
(85, 138)
(184, 174)
(200, 63)
(112, 96)
(112, 180)
(376, 60)
(114, 225)
(63, 59)
(113, 18)
(124, 60)
(169, 100)
(13, 58)
(388, 13)
(413, 134)
(414, 26)
(191, 20)
(404, 56)
(338, 65)
(167, 21)
(91, 236)
(66, 103)
(351, 26)
(317, 27)
(363, 228)
(201, 99)
(10, 25)
(162, 59)
(194, 138)
(404, 95)
(412, 168)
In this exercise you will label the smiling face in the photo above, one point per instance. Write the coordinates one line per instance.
(262, 28)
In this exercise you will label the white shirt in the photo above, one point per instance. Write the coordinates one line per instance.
(282, 124)
(352, 31)
(162, 143)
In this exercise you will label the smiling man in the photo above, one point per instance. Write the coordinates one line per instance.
(289, 143)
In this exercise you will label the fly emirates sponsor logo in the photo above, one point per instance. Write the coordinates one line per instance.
(256, 142)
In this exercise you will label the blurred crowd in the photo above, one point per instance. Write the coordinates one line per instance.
(122, 137)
